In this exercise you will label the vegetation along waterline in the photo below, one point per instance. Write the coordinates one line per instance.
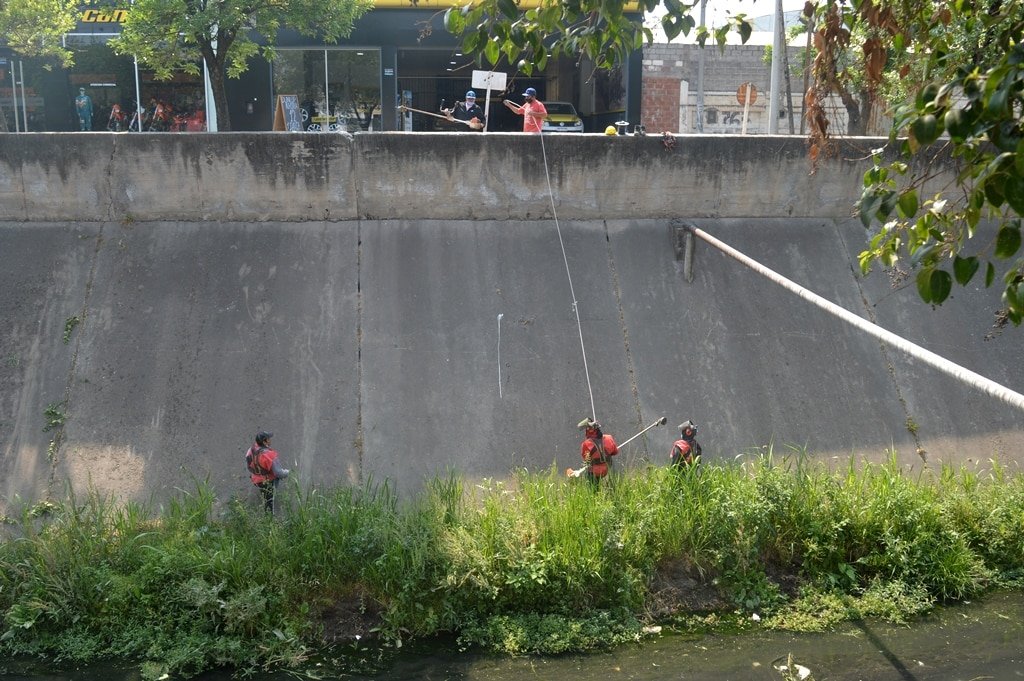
(537, 564)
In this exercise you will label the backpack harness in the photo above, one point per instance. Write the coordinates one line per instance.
(252, 461)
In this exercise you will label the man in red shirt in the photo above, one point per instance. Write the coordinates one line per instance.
(596, 450)
(264, 468)
(532, 110)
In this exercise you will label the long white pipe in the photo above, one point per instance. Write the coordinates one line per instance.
(958, 372)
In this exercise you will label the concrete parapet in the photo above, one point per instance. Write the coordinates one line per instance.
(299, 177)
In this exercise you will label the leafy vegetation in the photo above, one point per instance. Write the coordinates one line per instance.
(37, 27)
(54, 414)
(601, 30)
(534, 565)
(969, 59)
(69, 326)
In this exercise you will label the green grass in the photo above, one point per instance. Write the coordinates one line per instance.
(535, 564)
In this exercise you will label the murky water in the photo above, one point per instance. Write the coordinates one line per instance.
(969, 642)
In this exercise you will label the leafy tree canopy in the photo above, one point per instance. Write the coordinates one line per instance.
(177, 35)
(954, 67)
(35, 28)
(972, 55)
(602, 30)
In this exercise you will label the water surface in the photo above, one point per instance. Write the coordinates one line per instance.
(966, 642)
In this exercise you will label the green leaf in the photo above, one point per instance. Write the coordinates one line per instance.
(924, 284)
(994, 190)
(957, 124)
(869, 203)
(990, 274)
(508, 8)
(907, 203)
(1013, 189)
(926, 129)
(1019, 160)
(926, 95)
(492, 50)
(1007, 241)
(453, 21)
(886, 206)
(671, 26)
(964, 269)
(941, 284)
(996, 105)
(745, 30)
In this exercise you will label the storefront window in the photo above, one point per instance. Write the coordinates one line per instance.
(338, 89)
(98, 94)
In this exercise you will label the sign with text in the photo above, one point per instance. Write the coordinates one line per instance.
(287, 116)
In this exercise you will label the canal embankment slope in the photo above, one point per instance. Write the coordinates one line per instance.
(397, 305)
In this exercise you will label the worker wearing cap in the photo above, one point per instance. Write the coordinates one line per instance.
(532, 110)
(468, 110)
(596, 450)
(686, 450)
(264, 468)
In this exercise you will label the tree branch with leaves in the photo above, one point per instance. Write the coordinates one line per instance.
(975, 97)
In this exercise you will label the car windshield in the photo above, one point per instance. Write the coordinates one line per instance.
(560, 109)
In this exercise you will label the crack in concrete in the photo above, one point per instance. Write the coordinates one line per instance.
(58, 439)
(630, 367)
(884, 350)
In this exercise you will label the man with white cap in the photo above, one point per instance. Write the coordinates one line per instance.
(467, 111)
(532, 110)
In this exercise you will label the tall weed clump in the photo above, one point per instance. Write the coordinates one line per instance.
(985, 508)
(99, 580)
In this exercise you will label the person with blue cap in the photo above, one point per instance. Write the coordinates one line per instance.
(468, 111)
(532, 110)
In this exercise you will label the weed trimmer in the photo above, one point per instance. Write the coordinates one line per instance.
(475, 124)
(576, 472)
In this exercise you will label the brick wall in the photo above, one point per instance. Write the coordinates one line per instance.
(660, 97)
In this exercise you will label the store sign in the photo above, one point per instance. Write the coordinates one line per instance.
(103, 16)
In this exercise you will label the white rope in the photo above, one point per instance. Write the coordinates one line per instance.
(963, 374)
(572, 290)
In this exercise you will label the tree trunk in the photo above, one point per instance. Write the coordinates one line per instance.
(866, 110)
(789, 88)
(214, 61)
(854, 120)
(220, 98)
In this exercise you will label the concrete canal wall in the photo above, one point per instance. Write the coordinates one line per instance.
(164, 296)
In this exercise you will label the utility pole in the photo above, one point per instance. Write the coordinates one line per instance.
(776, 82)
